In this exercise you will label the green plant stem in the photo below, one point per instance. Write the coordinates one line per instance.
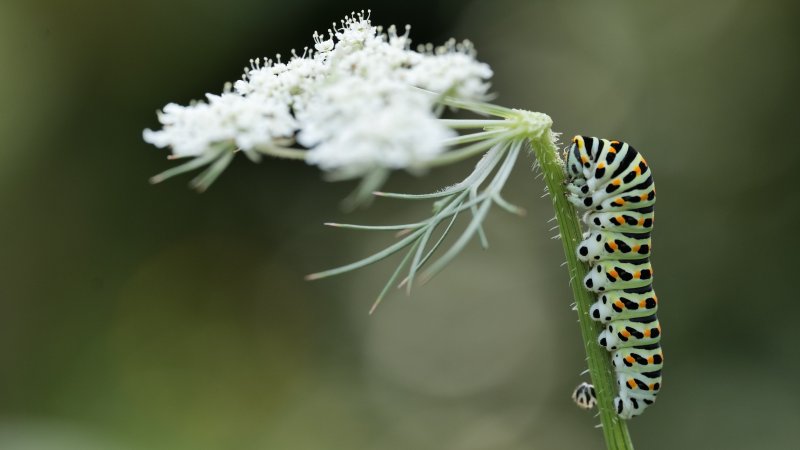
(615, 429)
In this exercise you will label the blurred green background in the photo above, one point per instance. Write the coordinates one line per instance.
(150, 317)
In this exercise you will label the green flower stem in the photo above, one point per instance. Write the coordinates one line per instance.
(614, 428)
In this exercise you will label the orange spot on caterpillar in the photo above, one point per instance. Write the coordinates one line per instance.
(625, 333)
(616, 182)
(641, 222)
(612, 244)
(619, 202)
(647, 333)
(613, 273)
(643, 197)
(636, 248)
(631, 383)
(601, 165)
(630, 359)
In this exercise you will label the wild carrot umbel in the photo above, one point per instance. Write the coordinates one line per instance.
(360, 104)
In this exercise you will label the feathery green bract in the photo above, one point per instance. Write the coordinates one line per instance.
(468, 195)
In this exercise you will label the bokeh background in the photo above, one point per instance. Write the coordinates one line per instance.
(151, 317)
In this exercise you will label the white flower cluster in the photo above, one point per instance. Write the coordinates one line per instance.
(247, 122)
(357, 102)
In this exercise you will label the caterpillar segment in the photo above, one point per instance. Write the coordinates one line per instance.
(630, 333)
(640, 386)
(609, 275)
(613, 184)
(640, 358)
(587, 196)
(624, 304)
(639, 196)
(608, 245)
(634, 221)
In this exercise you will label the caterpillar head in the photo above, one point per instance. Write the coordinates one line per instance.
(575, 158)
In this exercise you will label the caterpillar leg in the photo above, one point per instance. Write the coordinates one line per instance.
(627, 407)
(577, 200)
(578, 188)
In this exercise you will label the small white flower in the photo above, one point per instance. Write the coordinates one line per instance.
(322, 45)
(355, 34)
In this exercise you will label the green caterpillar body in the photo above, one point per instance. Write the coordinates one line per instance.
(613, 184)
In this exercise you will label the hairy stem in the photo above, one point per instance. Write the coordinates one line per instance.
(602, 374)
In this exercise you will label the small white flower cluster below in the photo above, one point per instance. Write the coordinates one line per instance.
(360, 100)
